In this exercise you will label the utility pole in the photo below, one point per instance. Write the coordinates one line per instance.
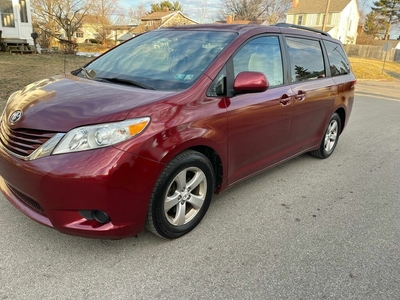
(326, 15)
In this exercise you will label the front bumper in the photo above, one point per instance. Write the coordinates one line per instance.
(52, 190)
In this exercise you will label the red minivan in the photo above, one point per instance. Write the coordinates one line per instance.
(146, 133)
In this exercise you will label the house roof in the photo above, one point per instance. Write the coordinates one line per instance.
(230, 20)
(163, 19)
(312, 6)
(121, 27)
(157, 15)
(90, 19)
(125, 37)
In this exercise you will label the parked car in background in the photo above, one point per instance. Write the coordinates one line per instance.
(145, 134)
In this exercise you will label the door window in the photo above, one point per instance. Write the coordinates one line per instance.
(261, 55)
(23, 11)
(306, 59)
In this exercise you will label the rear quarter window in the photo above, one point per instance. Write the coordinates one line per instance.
(338, 61)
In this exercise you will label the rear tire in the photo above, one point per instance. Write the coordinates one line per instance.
(181, 195)
(330, 138)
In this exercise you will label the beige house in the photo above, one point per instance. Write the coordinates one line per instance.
(162, 19)
(341, 21)
(91, 29)
(87, 30)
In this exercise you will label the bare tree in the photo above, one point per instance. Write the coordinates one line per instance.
(43, 23)
(202, 11)
(103, 13)
(206, 12)
(65, 14)
(136, 13)
(276, 10)
(271, 11)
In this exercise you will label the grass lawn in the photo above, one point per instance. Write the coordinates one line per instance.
(17, 71)
(372, 69)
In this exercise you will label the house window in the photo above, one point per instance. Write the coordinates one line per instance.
(7, 13)
(320, 17)
(329, 21)
(299, 20)
(23, 11)
(79, 34)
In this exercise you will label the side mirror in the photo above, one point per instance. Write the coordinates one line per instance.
(250, 82)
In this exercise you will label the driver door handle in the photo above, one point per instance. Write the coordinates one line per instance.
(285, 100)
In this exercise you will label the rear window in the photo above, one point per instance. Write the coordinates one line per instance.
(338, 62)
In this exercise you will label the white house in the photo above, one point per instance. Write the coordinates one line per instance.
(341, 21)
(16, 20)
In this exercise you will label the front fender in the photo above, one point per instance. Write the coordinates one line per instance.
(166, 144)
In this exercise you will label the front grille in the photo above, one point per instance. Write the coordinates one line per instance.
(27, 200)
(21, 141)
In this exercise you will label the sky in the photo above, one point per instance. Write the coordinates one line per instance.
(193, 9)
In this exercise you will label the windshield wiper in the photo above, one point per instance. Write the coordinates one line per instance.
(125, 81)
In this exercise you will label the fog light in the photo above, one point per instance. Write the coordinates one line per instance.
(100, 216)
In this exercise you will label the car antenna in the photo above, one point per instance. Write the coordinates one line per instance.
(65, 61)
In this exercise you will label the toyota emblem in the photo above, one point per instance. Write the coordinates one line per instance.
(15, 117)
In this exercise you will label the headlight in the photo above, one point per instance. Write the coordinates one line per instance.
(101, 135)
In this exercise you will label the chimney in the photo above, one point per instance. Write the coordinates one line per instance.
(229, 19)
(295, 3)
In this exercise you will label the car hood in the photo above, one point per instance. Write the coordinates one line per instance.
(61, 103)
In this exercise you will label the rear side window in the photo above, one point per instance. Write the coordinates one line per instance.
(338, 62)
(306, 59)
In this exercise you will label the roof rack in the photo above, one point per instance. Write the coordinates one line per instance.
(287, 25)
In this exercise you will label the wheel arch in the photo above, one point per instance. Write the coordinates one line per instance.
(342, 114)
(209, 152)
(216, 162)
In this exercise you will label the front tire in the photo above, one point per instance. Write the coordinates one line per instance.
(181, 195)
(330, 139)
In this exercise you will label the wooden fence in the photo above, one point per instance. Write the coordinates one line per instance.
(372, 52)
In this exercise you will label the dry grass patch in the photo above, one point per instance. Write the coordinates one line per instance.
(372, 69)
(92, 48)
(17, 71)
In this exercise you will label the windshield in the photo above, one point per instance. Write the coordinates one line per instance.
(160, 59)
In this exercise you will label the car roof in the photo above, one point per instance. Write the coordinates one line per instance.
(255, 29)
